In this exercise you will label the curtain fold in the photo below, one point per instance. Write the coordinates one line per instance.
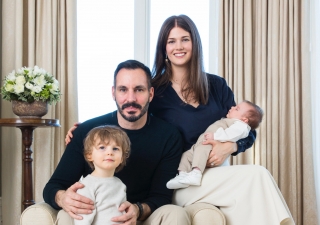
(264, 57)
(39, 33)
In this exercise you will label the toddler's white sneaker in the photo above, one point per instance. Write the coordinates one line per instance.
(175, 182)
(192, 178)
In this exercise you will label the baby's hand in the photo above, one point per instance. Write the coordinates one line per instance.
(208, 136)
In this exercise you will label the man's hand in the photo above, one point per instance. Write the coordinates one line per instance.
(69, 134)
(74, 203)
(220, 151)
(131, 215)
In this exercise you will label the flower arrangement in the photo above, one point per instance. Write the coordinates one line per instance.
(29, 85)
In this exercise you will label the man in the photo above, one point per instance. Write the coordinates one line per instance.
(156, 149)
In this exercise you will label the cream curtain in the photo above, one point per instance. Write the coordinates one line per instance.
(43, 33)
(264, 56)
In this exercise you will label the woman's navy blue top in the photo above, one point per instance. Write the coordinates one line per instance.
(191, 121)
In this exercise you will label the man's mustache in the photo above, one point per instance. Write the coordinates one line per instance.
(131, 104)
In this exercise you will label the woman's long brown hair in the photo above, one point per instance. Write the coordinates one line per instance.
(196, 85)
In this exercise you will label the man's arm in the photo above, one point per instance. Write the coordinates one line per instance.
(144, 213)
(88, 191)
(73, 203)
(60, 191)
(159, 194)
(133, 213)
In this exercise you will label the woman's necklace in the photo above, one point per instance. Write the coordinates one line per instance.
(177, 87)
(177, 82)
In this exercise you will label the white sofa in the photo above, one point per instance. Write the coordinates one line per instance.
(200, 214)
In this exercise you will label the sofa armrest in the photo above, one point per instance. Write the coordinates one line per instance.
(203, 213)
(39, 214)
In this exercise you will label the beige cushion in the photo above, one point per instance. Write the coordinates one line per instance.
(39, 214)
(203, 213)
(200, 214)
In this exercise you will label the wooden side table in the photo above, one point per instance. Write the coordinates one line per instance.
(27, 125)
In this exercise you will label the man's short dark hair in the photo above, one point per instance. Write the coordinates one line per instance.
(131, 65)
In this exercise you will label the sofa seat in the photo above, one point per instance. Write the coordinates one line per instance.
(200, 214)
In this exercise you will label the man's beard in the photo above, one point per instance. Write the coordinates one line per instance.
(133, 118)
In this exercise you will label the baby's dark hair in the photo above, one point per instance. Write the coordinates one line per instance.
(254, 115)
(105, 134)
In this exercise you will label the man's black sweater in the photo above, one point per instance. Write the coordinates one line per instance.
(156, 150)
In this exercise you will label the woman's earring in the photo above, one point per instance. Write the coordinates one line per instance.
(166, 58)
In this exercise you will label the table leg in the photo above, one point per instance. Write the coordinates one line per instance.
(27, 138)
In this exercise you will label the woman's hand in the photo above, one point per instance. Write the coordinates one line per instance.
(220, 151)
(131, 215)
(74, 203)
(69, 134)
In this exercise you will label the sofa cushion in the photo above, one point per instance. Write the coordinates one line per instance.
(203, 213)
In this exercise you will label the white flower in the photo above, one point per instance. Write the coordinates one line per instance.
(31, 74)
(29, 85)
(40, 81)
(18, 88)
(54, 88)
(20, 80)
(9, 87)
(39, 85)
(12, 76)
(20, 71)
(43, 71)
(27, 70)
(36, 70)
(36, 89)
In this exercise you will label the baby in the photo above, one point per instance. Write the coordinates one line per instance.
(106, 149)
(240, 120)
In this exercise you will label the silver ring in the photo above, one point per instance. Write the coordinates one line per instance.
(212, 164)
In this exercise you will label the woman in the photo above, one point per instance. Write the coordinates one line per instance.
(184, 94)
(192, 100)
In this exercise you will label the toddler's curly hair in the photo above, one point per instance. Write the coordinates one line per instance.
(105, 134)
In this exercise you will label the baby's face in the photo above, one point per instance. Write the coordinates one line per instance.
(239, 111)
